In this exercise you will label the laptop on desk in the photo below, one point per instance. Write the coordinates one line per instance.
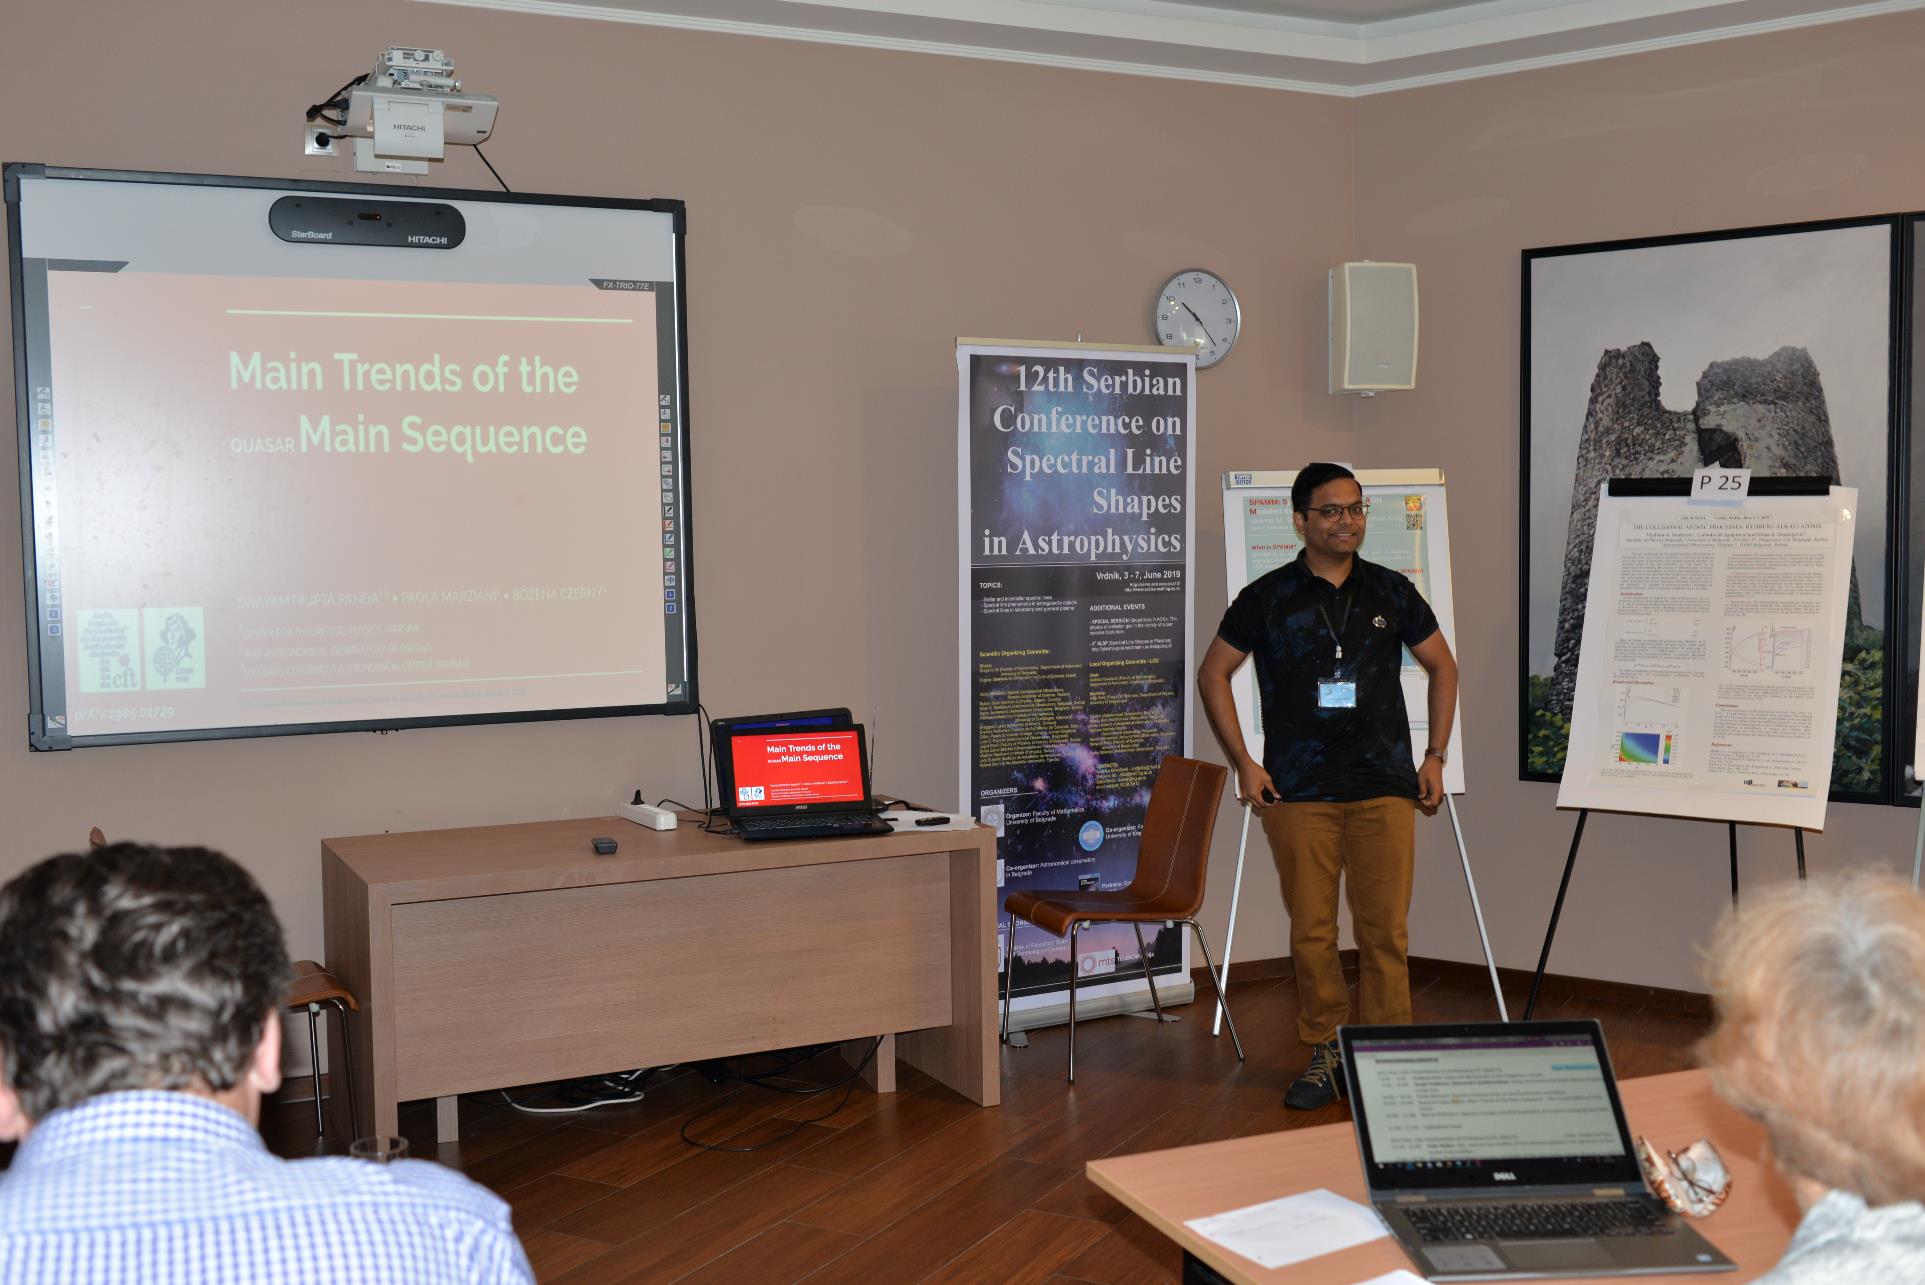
(1499, 1151)
(795, 780)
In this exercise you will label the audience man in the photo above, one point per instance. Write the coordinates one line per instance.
(139, 1029)
(1820, 1036)
(1337, 790)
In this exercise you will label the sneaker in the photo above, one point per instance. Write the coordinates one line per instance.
(1321, 1082)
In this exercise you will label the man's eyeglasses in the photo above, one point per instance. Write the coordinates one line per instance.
(1331, 512)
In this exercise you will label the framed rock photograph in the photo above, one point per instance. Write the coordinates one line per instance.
(1772, 349)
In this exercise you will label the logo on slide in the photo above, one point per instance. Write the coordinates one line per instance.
(1090, 836)
(173, 647)
(751, 793)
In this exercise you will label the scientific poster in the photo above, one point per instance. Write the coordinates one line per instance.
(1076, 522)
(1707, 684)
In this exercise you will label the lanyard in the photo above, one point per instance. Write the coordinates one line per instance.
(1336, 630)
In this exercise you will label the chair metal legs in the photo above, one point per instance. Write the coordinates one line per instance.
(314, 1062)
(345, 1070)
(1209, 966)
(1073, 970)
(1009, 964)
(1142, 953)
(1156, 1001)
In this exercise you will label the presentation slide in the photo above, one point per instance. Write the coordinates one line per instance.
(291, 486)
(788, 770)
(1510, 1099)
(364, 518)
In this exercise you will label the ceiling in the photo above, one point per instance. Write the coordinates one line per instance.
(1343, 47)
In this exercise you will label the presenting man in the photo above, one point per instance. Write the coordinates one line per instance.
(1337, 790)
(140, 992)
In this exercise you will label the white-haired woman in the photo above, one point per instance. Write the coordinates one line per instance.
(1820, 1036)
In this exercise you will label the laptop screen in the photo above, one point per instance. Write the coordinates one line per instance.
(796, 770)
(1487, 1106)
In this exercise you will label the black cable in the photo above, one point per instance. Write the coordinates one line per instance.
(704, 730)
(491, 168)
(678, 803)
(846, 1084)
(334, 99)
(619, 1089)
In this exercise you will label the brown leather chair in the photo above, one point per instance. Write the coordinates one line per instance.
(1172, 861)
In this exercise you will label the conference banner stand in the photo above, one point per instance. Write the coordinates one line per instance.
(1075, 523)
(1714, 692)
(1408, 531)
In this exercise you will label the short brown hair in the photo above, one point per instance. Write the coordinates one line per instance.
(133, 967)
(1820, 1033)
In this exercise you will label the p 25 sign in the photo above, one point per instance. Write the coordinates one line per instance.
(1721, 486)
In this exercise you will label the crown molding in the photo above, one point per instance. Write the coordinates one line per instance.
(1163, 40)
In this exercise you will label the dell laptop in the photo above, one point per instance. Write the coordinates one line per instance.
(1499, 1151)
(795, 777)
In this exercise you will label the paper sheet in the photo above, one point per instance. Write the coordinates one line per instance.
(1398, 1277)
(1280, 1232)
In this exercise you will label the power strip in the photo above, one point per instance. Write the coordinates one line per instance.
(654, 818)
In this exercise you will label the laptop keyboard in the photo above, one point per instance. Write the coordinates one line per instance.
(1545, 1220)
(827, 823)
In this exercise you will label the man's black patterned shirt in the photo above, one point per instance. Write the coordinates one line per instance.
(1332, 755)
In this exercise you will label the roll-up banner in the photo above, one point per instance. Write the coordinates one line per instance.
(1076, 514)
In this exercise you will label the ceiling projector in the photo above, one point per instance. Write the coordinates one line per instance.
(402, 114)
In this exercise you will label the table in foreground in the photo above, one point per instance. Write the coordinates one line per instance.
(511, 954)
(1167, 1188)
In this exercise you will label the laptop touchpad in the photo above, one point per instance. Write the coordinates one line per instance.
(1463, 1258)
(1545, 1255)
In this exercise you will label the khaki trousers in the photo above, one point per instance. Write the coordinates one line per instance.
(1367, 846)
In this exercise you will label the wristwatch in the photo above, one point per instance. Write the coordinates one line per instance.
(1432, 752)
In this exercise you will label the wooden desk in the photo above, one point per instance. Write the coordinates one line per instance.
(1166, 1188)
(510, 954)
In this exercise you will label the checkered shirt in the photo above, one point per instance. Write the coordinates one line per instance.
(170, 1189)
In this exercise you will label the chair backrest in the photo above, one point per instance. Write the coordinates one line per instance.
(1173, 856)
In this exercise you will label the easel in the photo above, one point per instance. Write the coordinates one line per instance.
(1681, 488)
(1477, 909)
(1918, 849)
(1577, 836)
(1381, 483)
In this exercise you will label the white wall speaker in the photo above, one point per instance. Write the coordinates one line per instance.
(1373, 327)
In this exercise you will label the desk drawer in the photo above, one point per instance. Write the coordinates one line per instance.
(492, 991)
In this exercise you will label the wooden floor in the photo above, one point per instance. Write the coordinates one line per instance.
(922, 1185)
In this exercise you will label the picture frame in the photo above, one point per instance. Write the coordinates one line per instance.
(1774, 348)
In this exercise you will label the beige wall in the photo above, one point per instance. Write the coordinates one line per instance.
(850, 213)
(1459, 179)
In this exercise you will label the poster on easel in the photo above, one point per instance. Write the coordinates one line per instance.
(1408, 530)
(1707, 681)
(1074, 464)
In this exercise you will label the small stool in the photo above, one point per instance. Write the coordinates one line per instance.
(310, 987)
